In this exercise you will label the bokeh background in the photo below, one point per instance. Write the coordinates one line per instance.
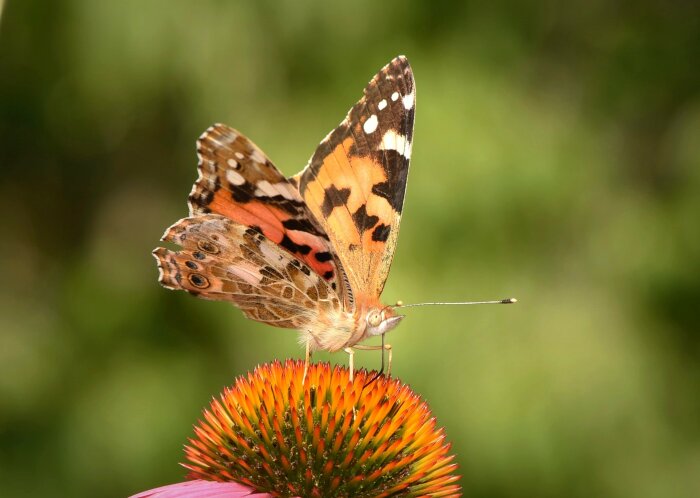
(556, 159)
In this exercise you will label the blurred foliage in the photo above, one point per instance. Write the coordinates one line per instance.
(556, 159)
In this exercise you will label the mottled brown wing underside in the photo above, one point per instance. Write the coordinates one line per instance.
(355, 182)
(225, 261)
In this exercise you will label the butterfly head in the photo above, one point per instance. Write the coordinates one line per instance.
(381, 320)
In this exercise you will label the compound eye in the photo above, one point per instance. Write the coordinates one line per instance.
(374, 319)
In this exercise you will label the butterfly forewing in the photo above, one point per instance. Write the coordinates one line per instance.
(355, 182)
(238, 181)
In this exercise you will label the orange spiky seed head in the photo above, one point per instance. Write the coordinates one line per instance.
(325, 436)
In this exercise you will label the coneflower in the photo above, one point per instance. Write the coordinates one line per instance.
(323, 436)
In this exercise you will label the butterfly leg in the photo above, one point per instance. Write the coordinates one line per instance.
(351, 362)
(385, 347)
(388, 347)
(306, 361)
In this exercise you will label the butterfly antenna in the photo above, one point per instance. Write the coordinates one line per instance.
(510, 300)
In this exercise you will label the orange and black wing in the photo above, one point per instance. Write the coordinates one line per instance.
(238, 181)
(355, 182)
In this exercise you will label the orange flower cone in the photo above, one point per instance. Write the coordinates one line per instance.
(325, 436)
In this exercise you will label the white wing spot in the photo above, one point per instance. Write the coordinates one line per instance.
(382, 104)
(287, 191)
(265, 189)
(371, 124)
(271, 254)
(409, 100)
(233, 163)
(395, 96)
(258, 156)
(239, 155)
(394, 141)
(234, 178)
(246, 273)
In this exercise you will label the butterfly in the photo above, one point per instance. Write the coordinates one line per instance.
(311, 252)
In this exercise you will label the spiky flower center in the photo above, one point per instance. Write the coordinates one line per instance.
(325, 436)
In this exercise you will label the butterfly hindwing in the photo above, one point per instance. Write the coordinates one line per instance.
(238, 181)
(226, 261)
(355, 182)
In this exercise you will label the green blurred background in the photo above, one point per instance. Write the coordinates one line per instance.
(556, 159)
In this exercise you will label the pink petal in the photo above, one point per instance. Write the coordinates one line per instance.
(202, 489)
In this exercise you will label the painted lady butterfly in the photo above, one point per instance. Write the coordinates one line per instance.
(311, 252)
